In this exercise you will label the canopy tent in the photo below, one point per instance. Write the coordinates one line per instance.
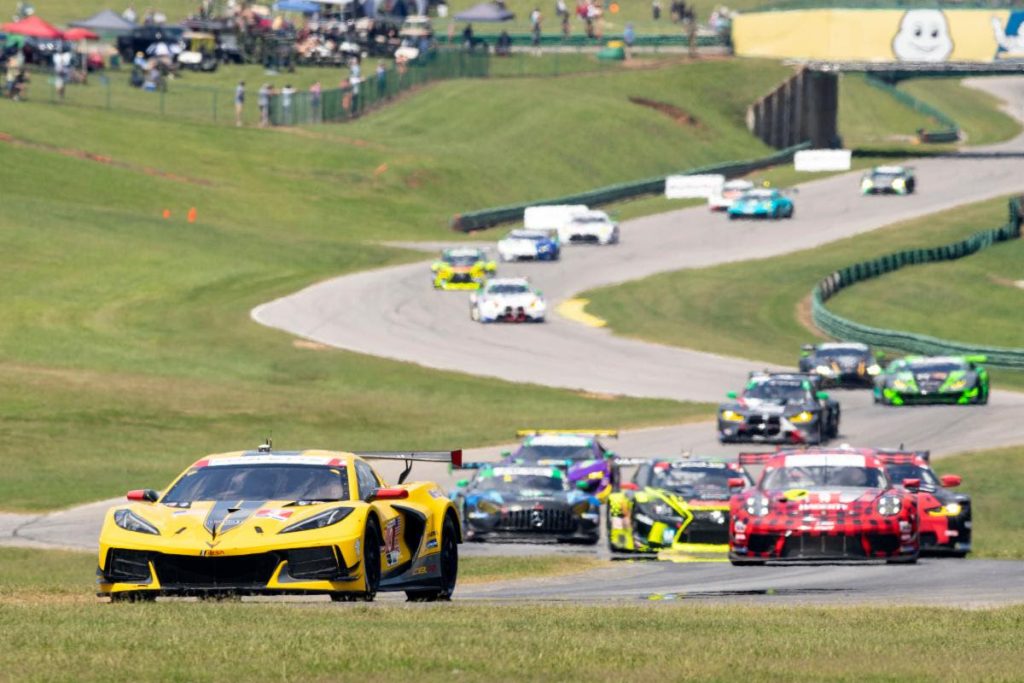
(303, 6)
(34, 27)
(485, 12)
(108, 21)
(79, 33)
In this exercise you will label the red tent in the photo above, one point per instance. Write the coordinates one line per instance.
(32, 26)
(75, 34)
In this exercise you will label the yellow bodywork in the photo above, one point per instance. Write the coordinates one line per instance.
(183, 534)
(621, 529)
(477, 274)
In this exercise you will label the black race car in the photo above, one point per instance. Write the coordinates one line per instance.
(945, 516)
(841, 364)
(779, 407)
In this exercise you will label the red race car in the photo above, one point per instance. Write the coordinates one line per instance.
(823, 504)
(945, 523)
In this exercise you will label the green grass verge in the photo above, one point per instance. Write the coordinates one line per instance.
(126, 343)
(705, 310)
(978, 113)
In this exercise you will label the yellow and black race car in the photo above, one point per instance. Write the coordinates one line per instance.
(462, 268)
(271, 522)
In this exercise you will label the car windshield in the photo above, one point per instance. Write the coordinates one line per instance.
(911, 471)
(884, 177)
(775, 390)
(522, 484)
(590, 219)
(462, 258)
(537, 453)
(260, 482)
(841, 353)
(507, 289)
(937, 366)
(533, 236)
(694, 481)
(758, 195)
(824, 475)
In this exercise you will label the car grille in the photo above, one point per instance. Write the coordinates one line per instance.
(536, 520)
(703, 529)
(252, 571)
(588, 239)
(315, 564)
(461, 278)
(811, 547)
(772, 424)
(127, 566)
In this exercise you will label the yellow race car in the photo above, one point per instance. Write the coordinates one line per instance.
(273, 522)
(462, 268)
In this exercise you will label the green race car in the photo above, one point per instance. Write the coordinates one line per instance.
(888, 180)
(935, 379)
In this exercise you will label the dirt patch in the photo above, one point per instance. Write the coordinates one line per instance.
(1006, 282)
(100, 159)
(597, 395)
(311, 345)
(803, 316)
(680, 116)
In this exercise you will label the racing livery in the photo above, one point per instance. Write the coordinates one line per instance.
(530, 245)
(945, 516)
(779, 407)
(673, 505)
(509, 300)
(272, 522)
(888, 180)
(935, 379)
(579, 453)
(841, 364)
(764, 203)
(462, 268)
(823, 504)
(730, 191)
(516, 502)
(589, 227)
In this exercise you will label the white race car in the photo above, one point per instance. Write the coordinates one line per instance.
(511, 300)
(592, 226)
(729, 192)
(534, 245)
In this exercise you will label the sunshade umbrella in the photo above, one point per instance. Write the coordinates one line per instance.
(485, 12)
(33, 26)
(75, 34)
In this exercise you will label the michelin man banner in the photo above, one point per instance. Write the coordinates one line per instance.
(882, 35)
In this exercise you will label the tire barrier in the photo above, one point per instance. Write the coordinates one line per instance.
(841, 328)
(488, 218)
(951, 132)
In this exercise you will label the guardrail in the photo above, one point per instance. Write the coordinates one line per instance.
(582, 41)
(487, 218)
(843, 328)
(951, 132)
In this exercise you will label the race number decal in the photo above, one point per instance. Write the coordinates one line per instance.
(392, 553)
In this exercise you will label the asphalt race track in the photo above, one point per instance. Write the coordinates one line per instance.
(394, 313)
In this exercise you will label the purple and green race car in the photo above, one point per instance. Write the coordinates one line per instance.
(578, 453)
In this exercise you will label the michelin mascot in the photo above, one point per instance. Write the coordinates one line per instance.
(923, 37)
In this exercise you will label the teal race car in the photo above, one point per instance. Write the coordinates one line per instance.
(762, 203)
(935, 379)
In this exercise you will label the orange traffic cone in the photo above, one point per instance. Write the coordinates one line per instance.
(167, 214)
(192, 215)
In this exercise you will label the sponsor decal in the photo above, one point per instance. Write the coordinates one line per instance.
(392, 553)
(419, 571)
(279, 515)
(437, 493)
(210, 553)
(431, 544)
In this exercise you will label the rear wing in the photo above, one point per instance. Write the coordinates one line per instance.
(892, 456)
(453, 458)
(610, 433)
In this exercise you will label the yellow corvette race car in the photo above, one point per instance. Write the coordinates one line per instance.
(272, 522)
(462, 268)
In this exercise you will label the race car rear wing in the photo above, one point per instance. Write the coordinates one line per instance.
(892, 456)
(610, 433)
(748, 459)
(453, 458)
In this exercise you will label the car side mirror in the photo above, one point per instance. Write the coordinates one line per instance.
(582, 485)
(736, 483)
(629, 486)
(609, 455)
(731, 394)
(912, 485)
(506, 454)
(143, 495)
(822, 395)
(462, 483)
(950, 480)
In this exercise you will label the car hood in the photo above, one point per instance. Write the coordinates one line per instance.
(510, 299)
(515, 498)
(821, 499)
(766, 407)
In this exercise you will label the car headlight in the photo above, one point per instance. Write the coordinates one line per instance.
(866, 183)
(581, 507)
(899, 183)
(757, 506)
(957, 385)
(824, 370)
(324, 519)
(900, 385)
(487, 506)
(126, 519)
(889, 506)
(658, 509)
(731, 416)
(951, 510)
(874, 370)
(802, 416)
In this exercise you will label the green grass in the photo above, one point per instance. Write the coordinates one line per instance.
(977, 112)
(992, 478)
(126, 343)
(703, 309)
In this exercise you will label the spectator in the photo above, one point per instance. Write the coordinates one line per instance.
(467, 37)
(628, 37)
(656, 9)
(503, 46)
(561, 10)
(565, 25)
(315, 92)
(239, 102)
(382, 80)
(354, 79)
(263, 100)
(287, 93)
(129, 14)
(535, 20)
(59, 81)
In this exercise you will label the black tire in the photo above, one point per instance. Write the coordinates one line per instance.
(371, 560)
(746, 563)
(910, 559)
(789, 214)
(732, 216)
(133, 596)
(449, 564)
(982, 397)
(819, 436)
